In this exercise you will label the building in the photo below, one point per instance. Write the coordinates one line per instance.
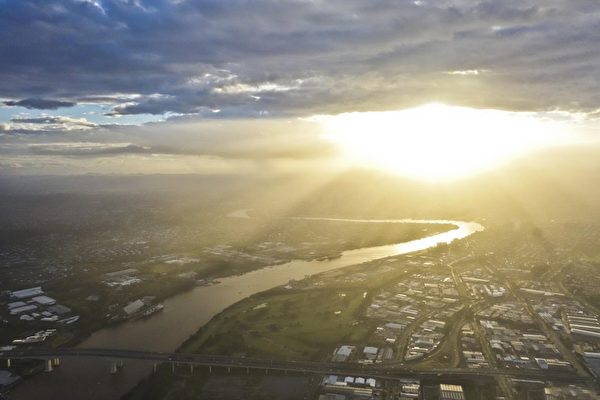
(124, 277)
(134, 307)
(410, 390)
(16, 304)
(44, 300)
(348, 386)
(59, 309)
(451, 392)
(342, 353)
(586, 333)
(22, 309)
(27, 293)
(570, 392)
(370, 352)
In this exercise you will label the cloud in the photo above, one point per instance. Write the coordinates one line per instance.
(54, 120)
(40, 104)
(466, 72)
(238, 139)
(85, 149)
(44, 124)
(232, 80)
(260, 88)
(246, 58)
(251, 139)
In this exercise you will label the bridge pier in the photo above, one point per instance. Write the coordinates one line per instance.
(228, 370)
(48, 367)
(210, 369)
(116, 366)
(56, 362)
(154, 367)
(8, 363)
(191, 368)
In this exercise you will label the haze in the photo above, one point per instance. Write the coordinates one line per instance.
(299, 200)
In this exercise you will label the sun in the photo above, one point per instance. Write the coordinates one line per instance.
(437, 142)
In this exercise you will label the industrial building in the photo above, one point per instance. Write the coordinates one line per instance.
(27, 293)
(451, 392)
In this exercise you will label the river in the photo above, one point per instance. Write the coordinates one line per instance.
(185, 313)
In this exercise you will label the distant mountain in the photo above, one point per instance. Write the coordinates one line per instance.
(558, 183)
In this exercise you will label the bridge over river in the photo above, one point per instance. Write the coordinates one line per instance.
(116, 357)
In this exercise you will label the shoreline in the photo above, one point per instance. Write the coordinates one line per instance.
(157, 331)
(214, 278)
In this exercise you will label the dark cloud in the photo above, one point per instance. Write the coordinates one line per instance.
(40, 104)
(54, 120)
(339, 55)
(47, 124)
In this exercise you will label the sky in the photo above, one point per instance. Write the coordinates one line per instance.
(120, 86)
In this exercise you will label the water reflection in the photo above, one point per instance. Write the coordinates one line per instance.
(184, 314)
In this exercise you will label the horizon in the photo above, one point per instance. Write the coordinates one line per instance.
(127, 97)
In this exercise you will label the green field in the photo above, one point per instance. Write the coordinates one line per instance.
(304, 324)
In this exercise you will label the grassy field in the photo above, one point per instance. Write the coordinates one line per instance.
(303, 324)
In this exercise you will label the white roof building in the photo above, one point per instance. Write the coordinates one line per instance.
(585, 333)
(134, 307)
(451, 392)
(16, 304)
(345, 350)
(342, 353)
(22, 309)
(44, 300)
(27, 293)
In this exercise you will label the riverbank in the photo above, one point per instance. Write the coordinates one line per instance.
(100, 306)
(303, 321)
(184, 314)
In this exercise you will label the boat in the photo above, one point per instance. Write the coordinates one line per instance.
(152, 310)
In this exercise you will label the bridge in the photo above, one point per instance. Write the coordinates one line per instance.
(379, 371)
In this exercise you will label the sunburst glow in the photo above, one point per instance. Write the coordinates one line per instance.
(438, 142)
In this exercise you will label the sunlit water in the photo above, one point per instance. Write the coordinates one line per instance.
(185, 313)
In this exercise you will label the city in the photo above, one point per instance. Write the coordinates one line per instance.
(473, 318)
(299, 199)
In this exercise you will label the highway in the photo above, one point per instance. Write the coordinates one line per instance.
(380, 371)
